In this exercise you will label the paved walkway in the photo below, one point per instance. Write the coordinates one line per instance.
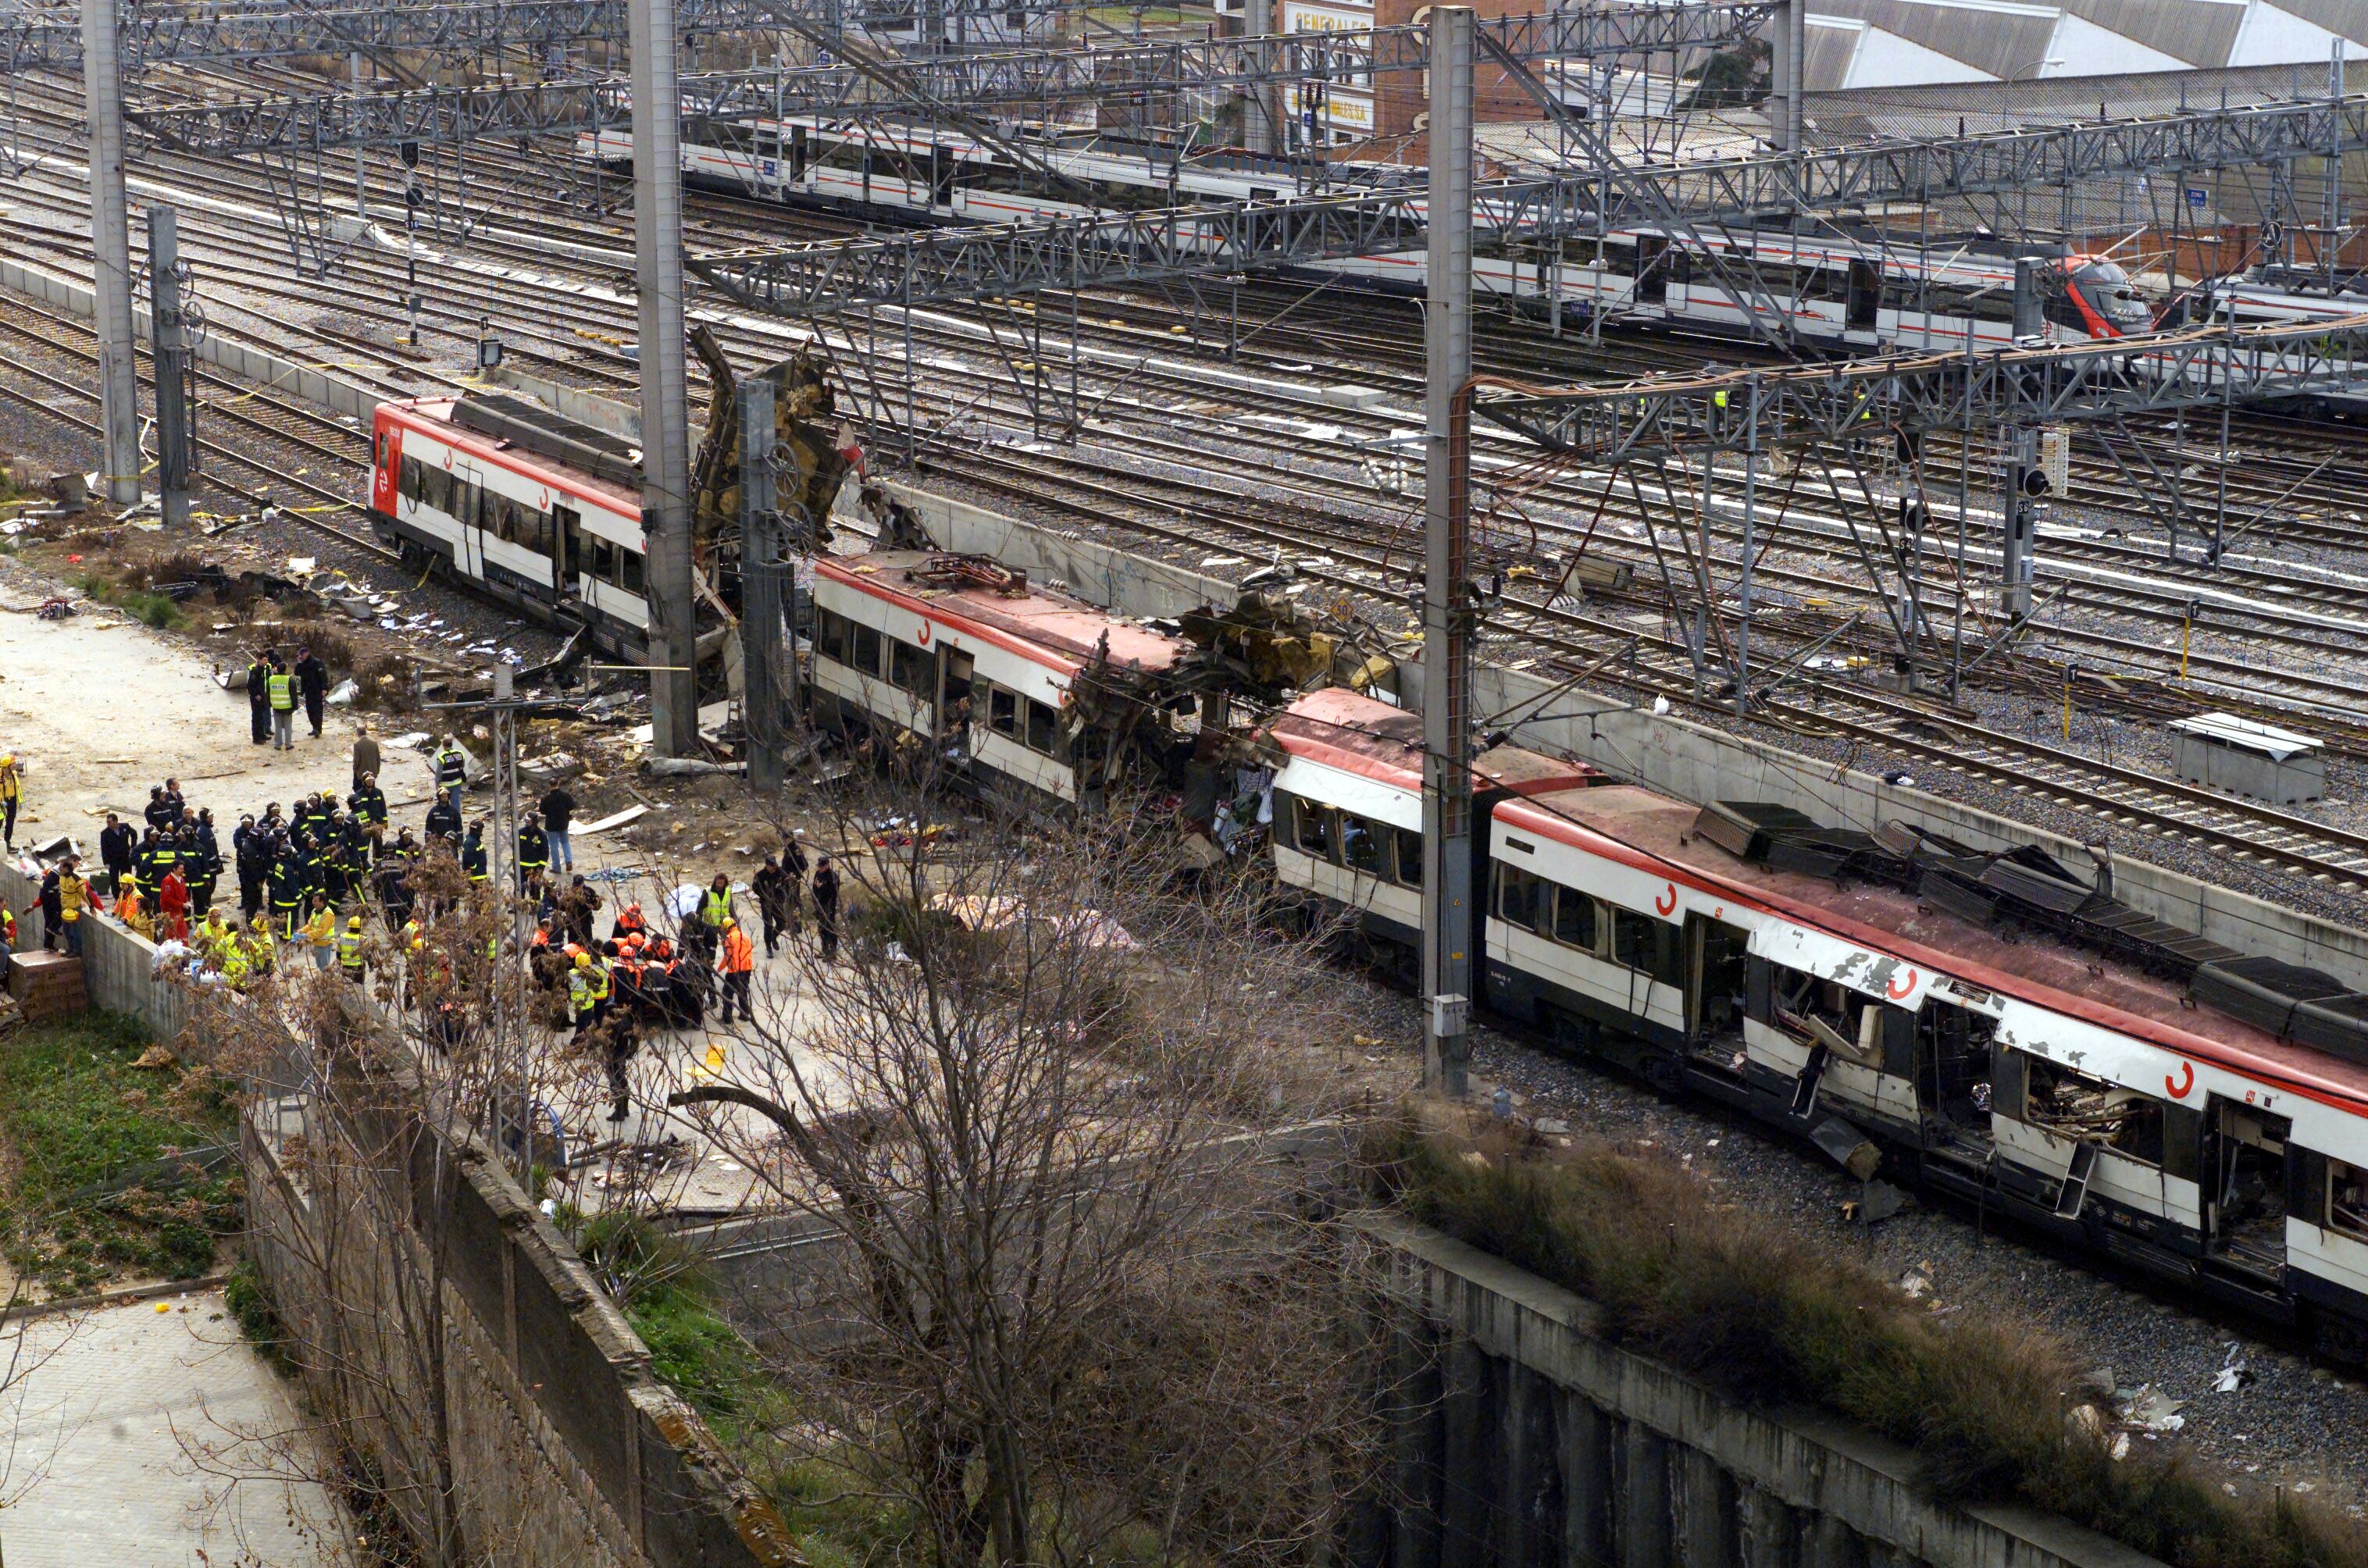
(134, 1445)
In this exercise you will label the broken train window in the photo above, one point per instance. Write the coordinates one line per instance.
(2072, 1104)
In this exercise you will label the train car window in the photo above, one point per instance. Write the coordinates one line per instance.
(604, 559)
(911, 668)
(1311, 827)
(863, 649)
(1410, 857)
(2347, 1199)
(1042, 728)
(632, 568)
(1002, 710)
(407, 483)
(1517, 897)
(1360, 846)
(1645, 944)
(1574, 919)
(830, 636)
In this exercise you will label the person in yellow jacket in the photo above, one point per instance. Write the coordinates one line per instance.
(213, 937)
(132, 910)
(321, 932)
(281, 688)
(349, 951)
(12, 790)
(77, 901)
(258, 948)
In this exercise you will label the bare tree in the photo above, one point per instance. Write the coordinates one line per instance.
(370, 1116)
(1040, 1094)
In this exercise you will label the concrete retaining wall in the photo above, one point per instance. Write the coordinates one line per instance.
(568, 1448)
(1535, 1443)
(118, 967)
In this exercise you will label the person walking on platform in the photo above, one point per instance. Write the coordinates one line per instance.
(558, 808)
(739, 967)
(452, 773)
(282, 686)
(826, 902)
(115, 844)
(349, 949)
(365, 755)
(259, 695)
(312, 683)
(777, 903)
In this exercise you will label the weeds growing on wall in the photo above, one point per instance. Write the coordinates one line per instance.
(1772, 1319)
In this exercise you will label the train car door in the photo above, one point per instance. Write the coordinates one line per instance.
(469, 513)
(955, 667)
(1652, 269)
(2246, 1153)
(386, 471)
(1716, 991)
(566, 534)
(1860, 310)
(941, 178)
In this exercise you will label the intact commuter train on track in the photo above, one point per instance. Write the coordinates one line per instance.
(1836, 289)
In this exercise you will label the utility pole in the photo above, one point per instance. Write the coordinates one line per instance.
(176, 431)
(412, 200)
(1787, 68)
(1446, 610)
(665, 401)
(2018, 513)
(760, 587)
(1262, 127)
(110, 249)
(361, 191)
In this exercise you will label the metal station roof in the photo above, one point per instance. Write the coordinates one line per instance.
(2265, 740)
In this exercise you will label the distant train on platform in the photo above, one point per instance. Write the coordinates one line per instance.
(1849, 292)
(1995, 1027)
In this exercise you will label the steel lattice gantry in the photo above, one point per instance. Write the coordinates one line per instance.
(1648, 421)
(428, 116)
(265, 32)
(981, 81)
(1124, 248)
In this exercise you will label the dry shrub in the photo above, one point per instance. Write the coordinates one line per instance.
(1770, 1318)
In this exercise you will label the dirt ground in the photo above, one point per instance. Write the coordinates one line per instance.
(97, 708)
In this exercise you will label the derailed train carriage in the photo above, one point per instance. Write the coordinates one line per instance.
(1027, 691)
(1989, 1026)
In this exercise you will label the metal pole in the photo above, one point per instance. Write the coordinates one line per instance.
(361, 192)
(760, 586)
(1792, 51)
(110, 248)
(665, 400)
(170, 359)
(1447, 892)
(1258, 129)
(1750, 517)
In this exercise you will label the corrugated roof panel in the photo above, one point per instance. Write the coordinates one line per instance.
(2344, 18)
(2200, 32)
(1831, 44)
(1994, 39)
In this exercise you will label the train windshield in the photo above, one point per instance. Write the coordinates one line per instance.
(2109, 292)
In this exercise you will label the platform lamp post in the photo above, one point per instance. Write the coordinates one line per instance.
(1447, 613)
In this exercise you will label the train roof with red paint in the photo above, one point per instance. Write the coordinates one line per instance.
(949, 588)
(1654, 832)
(442, 418)
(1360, 734)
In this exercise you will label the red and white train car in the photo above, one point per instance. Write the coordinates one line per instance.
(2172, 1114)
(524, 504)
(970, 656)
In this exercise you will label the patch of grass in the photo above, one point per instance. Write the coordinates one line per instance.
(74, 1113)
(157, 610)
(1770, 1319)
